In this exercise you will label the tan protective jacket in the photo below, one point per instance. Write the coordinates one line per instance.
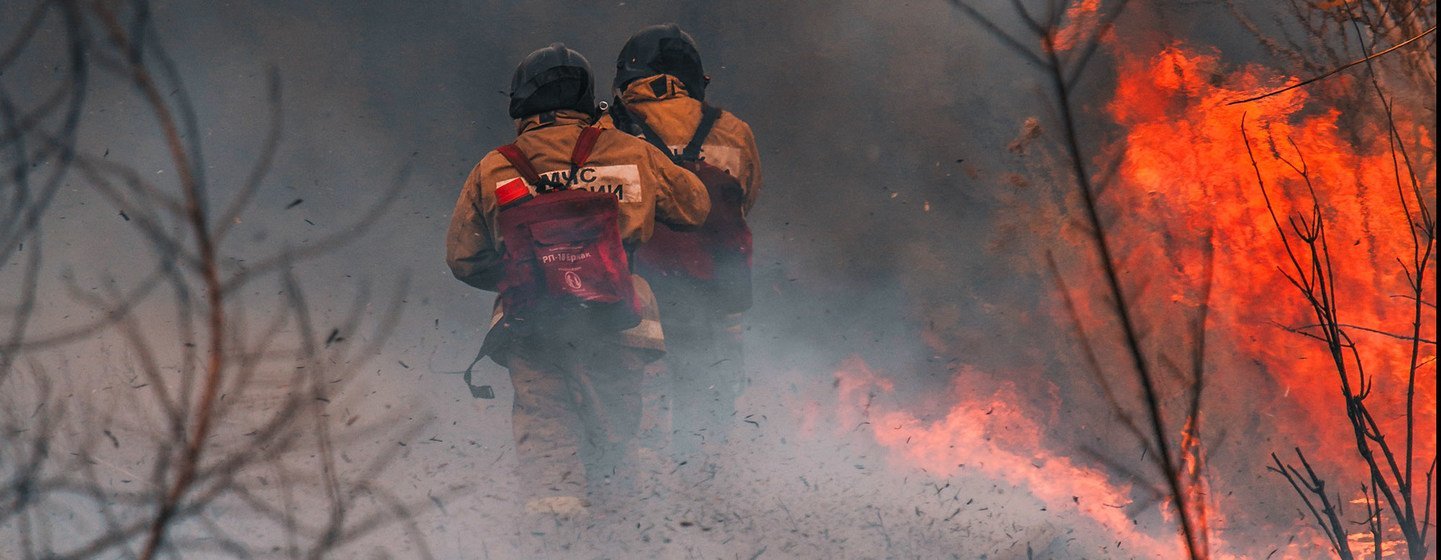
(650, 187)
(662, 102)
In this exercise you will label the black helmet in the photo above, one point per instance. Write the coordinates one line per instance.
(552, 78)
(661, 49)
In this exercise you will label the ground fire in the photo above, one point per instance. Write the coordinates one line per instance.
(1190, 193)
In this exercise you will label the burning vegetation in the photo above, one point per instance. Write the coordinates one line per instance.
(1287, 222)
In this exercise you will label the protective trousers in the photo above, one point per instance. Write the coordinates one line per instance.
(576, 412)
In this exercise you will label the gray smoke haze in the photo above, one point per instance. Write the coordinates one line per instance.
(883, 129)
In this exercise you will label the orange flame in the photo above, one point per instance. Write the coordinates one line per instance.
(996, 438)
(1186, 171)
(1189, 192)
(1082, 19)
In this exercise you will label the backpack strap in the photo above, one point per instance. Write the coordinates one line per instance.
(708, 116)
(650, 135)
(633, 123)
(583, 147)
(520, 162)
(578, 156)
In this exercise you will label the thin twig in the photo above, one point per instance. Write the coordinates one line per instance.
(1337, 70)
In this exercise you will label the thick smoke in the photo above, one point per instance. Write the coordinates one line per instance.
(892, 227)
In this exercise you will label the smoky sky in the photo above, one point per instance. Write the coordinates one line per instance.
(867, 115)
(881, 128)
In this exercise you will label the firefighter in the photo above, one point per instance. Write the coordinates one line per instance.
(659, 90)
(577, 379)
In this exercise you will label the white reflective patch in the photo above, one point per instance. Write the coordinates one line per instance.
(724, 157)
(623, 181)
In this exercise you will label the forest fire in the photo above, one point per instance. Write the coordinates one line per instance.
(1190, 194)
(1065, 279)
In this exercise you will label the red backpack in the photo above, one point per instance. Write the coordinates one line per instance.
(710, 265)
(563, 255)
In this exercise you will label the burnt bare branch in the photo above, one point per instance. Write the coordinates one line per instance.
(1177, 461)
(1313, 274)
(204, 448)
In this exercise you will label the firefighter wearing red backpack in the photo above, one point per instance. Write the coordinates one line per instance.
(548, 222)
(702, 278)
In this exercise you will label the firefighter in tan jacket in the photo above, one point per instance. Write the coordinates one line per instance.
(660, 91)
(577, 386)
